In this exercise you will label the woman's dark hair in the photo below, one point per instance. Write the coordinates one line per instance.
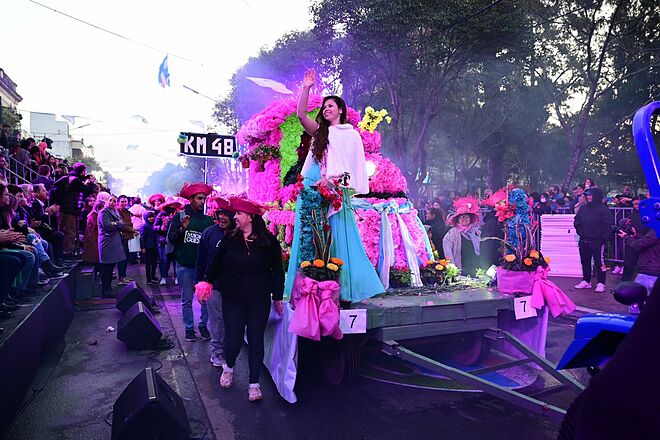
(259, 235)
(438, 213)
(320, 144)
(122, 197)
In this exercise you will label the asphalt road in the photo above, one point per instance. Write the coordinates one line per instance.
(79, 383)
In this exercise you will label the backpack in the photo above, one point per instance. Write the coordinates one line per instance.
(58, 191)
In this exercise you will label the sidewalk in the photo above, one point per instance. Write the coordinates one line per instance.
(588, 298)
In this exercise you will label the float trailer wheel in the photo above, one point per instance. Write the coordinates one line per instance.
(470, 348)
(340, 359)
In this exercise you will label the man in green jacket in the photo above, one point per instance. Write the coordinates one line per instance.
(185, 234)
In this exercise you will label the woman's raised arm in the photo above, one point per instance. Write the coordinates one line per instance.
(308, 123)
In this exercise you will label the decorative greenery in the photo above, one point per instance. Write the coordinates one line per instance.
(438, 272)
(291, 129)
(400, 277)
(261, 154)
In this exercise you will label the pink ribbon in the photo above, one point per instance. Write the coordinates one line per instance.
(328, 310)
(305, 321)
(547, 292)
(316, 313)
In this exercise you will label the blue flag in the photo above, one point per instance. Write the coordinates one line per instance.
(164, 73)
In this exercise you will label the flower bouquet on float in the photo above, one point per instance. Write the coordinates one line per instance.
(316, 291)
(438, 272)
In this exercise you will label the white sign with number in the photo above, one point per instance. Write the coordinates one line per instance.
(353, 321)
(522, 306)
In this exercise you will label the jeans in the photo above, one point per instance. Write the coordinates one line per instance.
(592, 250)
(237, 315)
(186, 276)
(11, 265)
(121, 266)
(216, 324)
(164, 262)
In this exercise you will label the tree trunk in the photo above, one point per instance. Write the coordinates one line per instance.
(572, 166)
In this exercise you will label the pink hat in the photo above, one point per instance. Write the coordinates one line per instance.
(245, 205)
(223, 204)
(189, 190)
(464, 205)
(155, 197)
(171, 202)
(494, 199)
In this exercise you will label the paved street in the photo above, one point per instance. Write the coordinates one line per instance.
(82, 381)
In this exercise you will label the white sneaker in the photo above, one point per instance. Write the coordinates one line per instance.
(600, 287)
(217, 360)
(163, 281)
(583, 285)
(176, 281)
(617, 269)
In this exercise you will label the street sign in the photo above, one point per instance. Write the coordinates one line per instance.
(208, 145)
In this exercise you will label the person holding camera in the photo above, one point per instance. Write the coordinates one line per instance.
(647, 245)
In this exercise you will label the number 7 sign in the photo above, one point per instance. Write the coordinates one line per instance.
(523, 308)
(353, 321)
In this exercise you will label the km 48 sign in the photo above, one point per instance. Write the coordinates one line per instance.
(207, 145)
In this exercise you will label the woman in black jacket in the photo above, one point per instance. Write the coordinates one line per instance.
(247, 271)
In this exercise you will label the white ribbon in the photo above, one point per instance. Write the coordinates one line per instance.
(387, 243)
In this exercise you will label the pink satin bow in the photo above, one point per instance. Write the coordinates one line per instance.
(547, 292)
(316, 313)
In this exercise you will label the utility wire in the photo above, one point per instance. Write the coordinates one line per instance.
(115, 34)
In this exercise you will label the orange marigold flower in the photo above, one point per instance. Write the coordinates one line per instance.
(444, 262)
(510, 258)
(547, 259)
(439, 267)
(429, 262)
(333, 267)
(337, 261)
(305, 264)
(527, 261)
(319, 263)
(534, 254)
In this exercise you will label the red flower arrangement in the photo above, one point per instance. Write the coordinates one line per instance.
(331, 195)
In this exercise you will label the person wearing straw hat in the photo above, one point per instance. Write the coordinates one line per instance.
(208, 249)
(461, 243)
(248, 272)
(185, 233)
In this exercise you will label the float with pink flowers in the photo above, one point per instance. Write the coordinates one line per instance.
(464, 317)
(274, 147)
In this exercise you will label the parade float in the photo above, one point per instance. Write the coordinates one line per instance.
(422, 301)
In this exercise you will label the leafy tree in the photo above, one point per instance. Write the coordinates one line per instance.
(418, 50)
(586, 50)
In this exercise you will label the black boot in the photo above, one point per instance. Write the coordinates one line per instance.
(50, 268)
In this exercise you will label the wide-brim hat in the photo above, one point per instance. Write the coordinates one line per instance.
(465, 205)
(190, 189)
(494, 199)
(171, 202)
(246, 205)
(156, 197)
(223, 205)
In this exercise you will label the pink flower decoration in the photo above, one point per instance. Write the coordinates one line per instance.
(372, 141)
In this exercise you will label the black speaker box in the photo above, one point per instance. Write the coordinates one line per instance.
(131, 294)
(149, 409)
(138, 328)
